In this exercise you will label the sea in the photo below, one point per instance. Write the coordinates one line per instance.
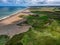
(6, 11)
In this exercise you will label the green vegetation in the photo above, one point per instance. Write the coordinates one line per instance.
(38, 22)
(45, 30)
(16, 40)
(3, 39)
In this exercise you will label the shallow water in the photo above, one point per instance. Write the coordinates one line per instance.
(7, 10)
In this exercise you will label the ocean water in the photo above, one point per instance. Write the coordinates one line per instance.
(8, 10)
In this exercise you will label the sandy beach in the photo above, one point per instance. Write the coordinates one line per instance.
(8, 26)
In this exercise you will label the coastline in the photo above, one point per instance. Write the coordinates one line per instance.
(8, 25)
(15, 13)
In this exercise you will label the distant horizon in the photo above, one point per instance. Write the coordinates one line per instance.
(29, 2)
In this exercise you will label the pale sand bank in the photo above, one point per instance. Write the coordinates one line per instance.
(8, 26)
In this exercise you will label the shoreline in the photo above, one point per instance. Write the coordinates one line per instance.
(19, 11)
(8, 26)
